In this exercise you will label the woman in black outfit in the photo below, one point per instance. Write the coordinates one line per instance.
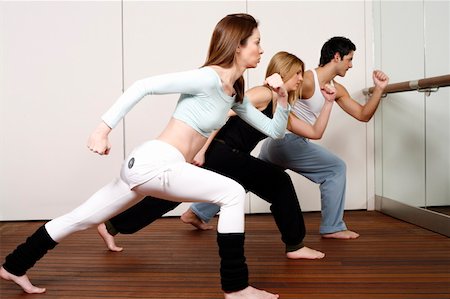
(228, 153)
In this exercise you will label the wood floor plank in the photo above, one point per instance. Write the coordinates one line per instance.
(391, 259)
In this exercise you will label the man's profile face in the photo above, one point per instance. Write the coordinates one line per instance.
(345, 64)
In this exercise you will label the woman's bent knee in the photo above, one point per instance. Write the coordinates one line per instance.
(236, 195)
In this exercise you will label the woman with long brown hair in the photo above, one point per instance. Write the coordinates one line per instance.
(162, 167)
(229, 153)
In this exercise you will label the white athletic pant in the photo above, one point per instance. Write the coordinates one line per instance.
(156, 169)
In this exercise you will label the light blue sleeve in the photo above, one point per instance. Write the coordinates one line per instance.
(188, 82)
(273, 127)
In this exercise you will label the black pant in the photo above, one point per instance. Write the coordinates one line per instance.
(266, 180)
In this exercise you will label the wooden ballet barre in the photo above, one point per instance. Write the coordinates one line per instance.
(425, 84)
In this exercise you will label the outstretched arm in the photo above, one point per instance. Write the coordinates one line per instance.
(366, 111)
(98, 141)
(315, 131)
(189, 82)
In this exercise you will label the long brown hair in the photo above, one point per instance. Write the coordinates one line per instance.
(287, 65)
(232, 31)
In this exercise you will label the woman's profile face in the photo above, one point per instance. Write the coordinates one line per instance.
(250, 53)
(294, 82)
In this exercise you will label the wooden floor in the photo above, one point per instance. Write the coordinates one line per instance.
(391, 259)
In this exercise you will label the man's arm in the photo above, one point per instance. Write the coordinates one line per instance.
(315, 131)
(355, 109)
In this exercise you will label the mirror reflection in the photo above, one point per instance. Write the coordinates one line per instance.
(412, 129)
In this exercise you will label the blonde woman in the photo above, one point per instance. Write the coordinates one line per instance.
(228, 153)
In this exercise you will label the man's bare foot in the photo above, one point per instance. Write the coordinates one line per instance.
(189, 217)
(345, 234)
(305, 253)
(108, 238)
(251, 293)
(22, 281)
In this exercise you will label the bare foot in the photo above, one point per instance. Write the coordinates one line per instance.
(345, 234)
(305, 253)
(22, 281)
(189, 217)
(108, 238)
(251, 293)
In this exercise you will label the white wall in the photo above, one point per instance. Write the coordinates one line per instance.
(62, 67)
(302, 29)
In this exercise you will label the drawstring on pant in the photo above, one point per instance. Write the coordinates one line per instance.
(164, 177)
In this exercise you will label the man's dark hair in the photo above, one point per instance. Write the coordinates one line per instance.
(337, 44)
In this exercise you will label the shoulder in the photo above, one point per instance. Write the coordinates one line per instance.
(207, 76)
(260, 91)
(260, 96)
(308, 85)
(341, 91)
(308, 77)
(207, 73)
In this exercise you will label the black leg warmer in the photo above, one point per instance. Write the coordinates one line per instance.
(27, 254)
(233, 269)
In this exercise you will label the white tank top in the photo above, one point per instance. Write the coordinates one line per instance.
(309, 109)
